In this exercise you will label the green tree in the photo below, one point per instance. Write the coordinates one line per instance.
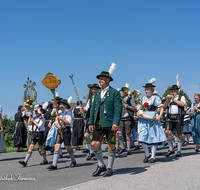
(8, 129)
(181, 93)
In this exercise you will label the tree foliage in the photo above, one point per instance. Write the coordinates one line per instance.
(181, 93)
(8, 129)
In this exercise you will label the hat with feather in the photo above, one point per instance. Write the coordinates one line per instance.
(177, 85)
(150, 83)
(109, 73)
(66, 102)
(126, 86)
(93, 86)
(57, 97)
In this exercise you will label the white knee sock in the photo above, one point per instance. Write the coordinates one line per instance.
(144, 146)
(61, 151)
(153, 151)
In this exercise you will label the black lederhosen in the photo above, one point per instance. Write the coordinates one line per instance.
(101, 131)
(66, 131)
(171, 124)
(37, 137)
(126, 124)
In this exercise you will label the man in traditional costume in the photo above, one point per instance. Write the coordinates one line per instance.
(63, 122)
(87, 109)
(104, 120)
(38, 128)
(126, 122)
(174, 118)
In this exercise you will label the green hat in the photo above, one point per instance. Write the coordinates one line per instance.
(105, 74)
(174, 87)
(148, 85)
(64, 101)
(93, 86)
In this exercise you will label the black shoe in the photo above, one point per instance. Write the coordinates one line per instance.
(185, 143)
(85, 151)
(78, 149)
(98, 171)
(23, 163)
(90, 156)
(121, 151)
(94, 158)
(137, 147)
(51, 167)
(169, 153)
(146, 158)
(129, 152)
(108, 173)
(178, 154)
(165, 143)
(117, 150)
(61, 156)
(175, 146)
(72, 165)
(152, 160)
(44, 162)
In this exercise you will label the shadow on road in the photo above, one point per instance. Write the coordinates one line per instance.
(131, 171)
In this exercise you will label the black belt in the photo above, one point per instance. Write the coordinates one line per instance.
(126, 119)
(66, 127)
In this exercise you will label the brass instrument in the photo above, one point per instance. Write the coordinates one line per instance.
(126, 92)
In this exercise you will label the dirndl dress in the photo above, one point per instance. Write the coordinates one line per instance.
(148, 133)
(195, 123)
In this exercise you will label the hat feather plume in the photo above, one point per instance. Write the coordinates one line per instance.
(70, 99)
(44, 105)
(153, 80)
(112, 68)
(57, 94)
(177, 80)
(127, 85)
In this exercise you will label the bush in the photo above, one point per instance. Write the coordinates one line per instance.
(8, 129)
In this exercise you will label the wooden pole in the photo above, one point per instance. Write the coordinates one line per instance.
(57, 113)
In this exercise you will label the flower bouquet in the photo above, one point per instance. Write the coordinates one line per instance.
(54, 114)
(28, 103)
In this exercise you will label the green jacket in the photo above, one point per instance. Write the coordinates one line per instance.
(109, 110)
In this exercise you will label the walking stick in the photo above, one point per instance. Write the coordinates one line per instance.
(52, 82)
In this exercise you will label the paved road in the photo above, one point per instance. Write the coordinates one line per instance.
(135, 172)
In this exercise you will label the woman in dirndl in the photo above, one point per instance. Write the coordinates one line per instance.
(195, 123)
(20, 129)
(150, 131)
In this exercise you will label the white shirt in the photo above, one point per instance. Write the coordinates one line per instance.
(41, 121)
(173, 109)
(88, 103)
(67, 116)
(103, 91)
(126, 114)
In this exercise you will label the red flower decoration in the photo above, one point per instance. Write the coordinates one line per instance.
(146, 103)
(106, 74)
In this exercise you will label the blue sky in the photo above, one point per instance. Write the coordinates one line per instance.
(83, 37)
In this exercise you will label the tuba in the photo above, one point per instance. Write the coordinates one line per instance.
(126, 92)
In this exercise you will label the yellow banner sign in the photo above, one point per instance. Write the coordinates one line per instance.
(51, 81)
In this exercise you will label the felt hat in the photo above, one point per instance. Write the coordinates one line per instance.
(64, 101)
